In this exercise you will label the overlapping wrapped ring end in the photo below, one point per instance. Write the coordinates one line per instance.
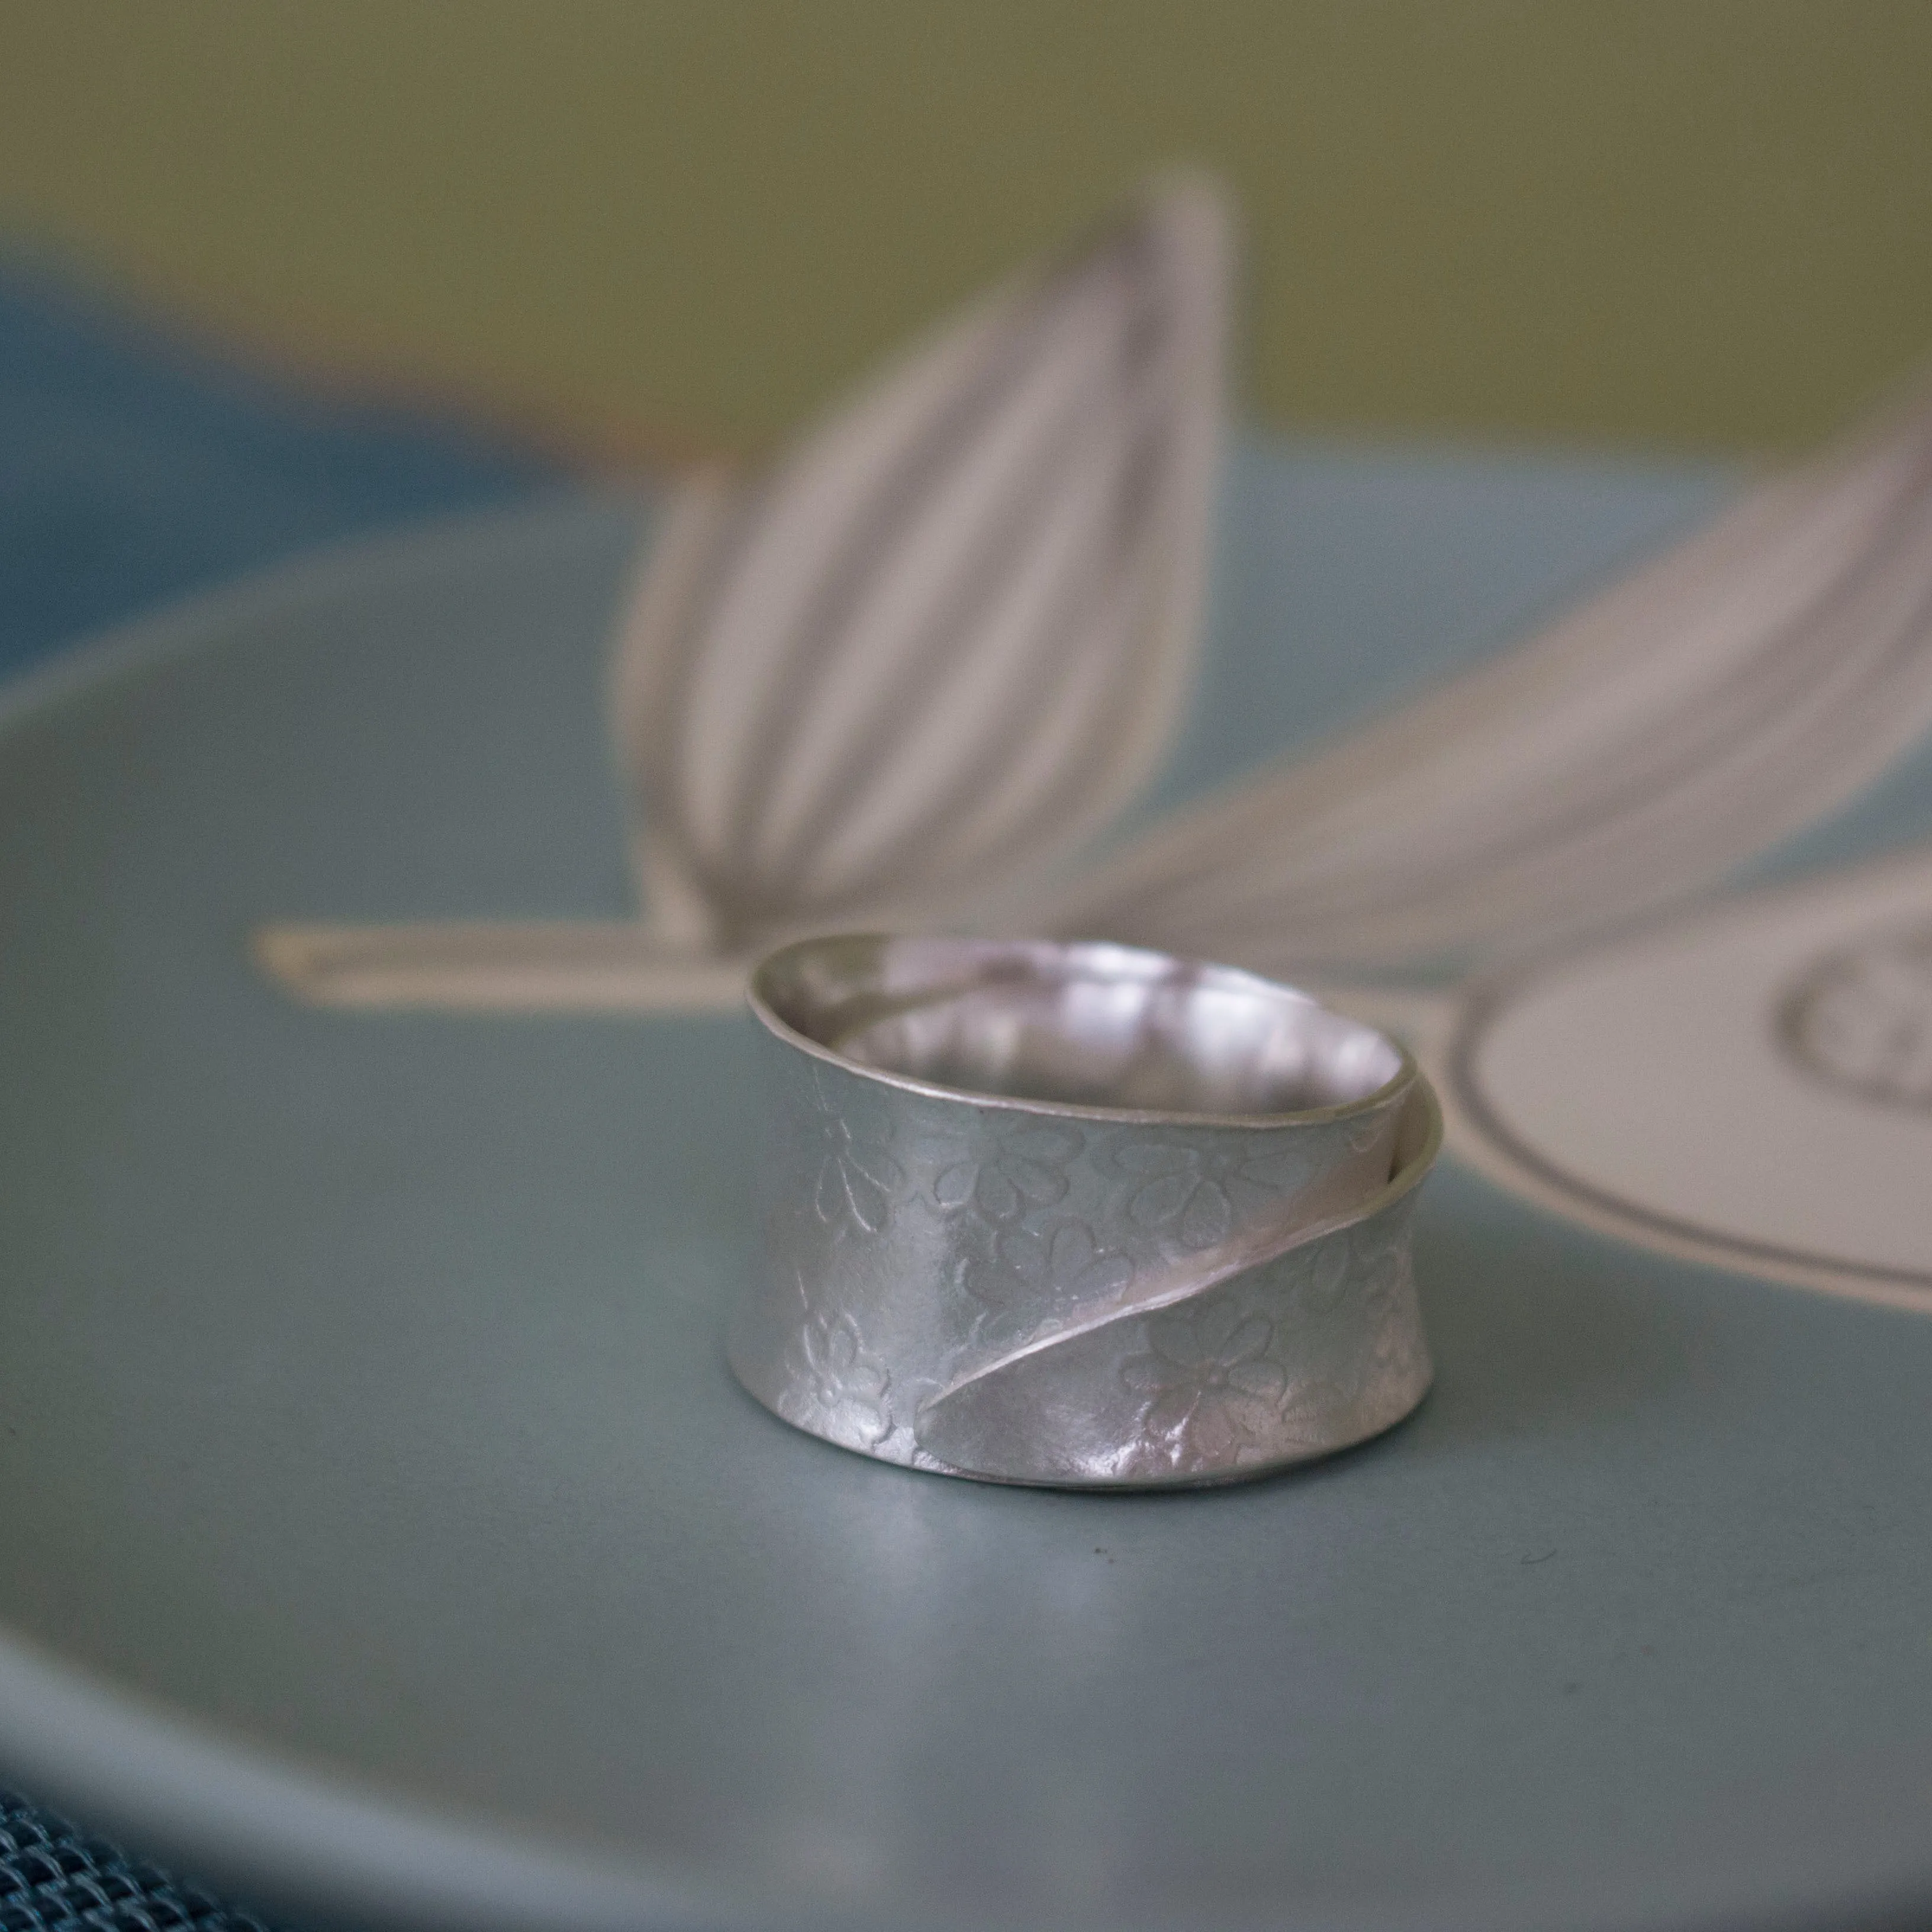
(1077, 1214)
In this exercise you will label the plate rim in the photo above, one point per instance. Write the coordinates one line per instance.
(309, 1838)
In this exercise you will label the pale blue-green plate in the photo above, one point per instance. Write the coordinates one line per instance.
(382, 1536)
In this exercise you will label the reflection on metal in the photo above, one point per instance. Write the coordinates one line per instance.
(1084, 1215)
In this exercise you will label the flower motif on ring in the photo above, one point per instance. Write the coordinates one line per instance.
(1014, 1163)
(1328, 1270)
(1060, 1269)
(1383, 1267)
(1208, 1383)
(858, 1180)
(846, 1383)
(1397, 1353)
(1194, 1194)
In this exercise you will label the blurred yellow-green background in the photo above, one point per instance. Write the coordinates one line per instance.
(683, 222)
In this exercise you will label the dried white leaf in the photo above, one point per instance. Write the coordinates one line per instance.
(1735, 690)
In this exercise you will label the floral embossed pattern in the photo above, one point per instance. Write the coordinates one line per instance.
(1209, 1384)
(1398, 1355)
(1119, 1297)
(1058, 1269)
(1196, 1194)
(1012, 1163)
(1325, 1280)
(858, 1180)
(846, 1385)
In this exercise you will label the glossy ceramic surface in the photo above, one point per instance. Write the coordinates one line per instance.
(386, 1539)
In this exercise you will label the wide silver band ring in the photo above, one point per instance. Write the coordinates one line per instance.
(1079, 1214)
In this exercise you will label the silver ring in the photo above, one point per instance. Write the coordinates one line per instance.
(1079, 1215)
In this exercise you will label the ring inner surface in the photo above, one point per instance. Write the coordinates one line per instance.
(1083, 1025)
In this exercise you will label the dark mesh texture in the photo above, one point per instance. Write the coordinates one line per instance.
(53, 1878)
